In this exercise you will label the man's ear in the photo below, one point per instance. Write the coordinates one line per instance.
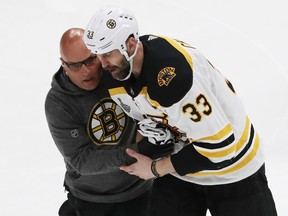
(131, 44)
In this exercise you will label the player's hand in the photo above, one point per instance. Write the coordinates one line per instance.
(141, 168)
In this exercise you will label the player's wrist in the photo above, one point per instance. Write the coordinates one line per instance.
(162, 167)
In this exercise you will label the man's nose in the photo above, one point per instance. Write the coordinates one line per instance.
(85, 69)
(103, 60)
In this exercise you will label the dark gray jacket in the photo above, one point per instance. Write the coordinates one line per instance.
(92, 133)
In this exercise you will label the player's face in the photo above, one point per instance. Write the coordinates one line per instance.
(116, 64)
(83, 68)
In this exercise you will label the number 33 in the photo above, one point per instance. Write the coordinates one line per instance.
(195, 114)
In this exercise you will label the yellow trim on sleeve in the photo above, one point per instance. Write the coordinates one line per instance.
(118, 90)
(237, 166)
(222, 133)
(234, 148)
(180, 49)
(153, 102)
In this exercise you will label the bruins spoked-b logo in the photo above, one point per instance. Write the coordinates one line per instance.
(107, 123)
(165, 76)
(111, 23)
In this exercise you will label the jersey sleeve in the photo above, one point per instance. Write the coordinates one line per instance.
(169, 72)
(213, 119)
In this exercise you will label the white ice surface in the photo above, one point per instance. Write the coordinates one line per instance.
(246, 40)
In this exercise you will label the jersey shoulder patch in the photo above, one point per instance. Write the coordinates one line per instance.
(168, 71)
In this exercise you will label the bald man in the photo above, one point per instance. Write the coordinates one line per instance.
(92, 132)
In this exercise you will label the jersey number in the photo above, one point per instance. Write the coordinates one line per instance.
(193, 110)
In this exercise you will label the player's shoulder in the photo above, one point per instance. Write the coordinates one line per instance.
(168, 69)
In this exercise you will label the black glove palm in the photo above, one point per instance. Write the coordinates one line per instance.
(155, 151)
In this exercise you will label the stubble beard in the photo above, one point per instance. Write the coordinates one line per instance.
(123, 70)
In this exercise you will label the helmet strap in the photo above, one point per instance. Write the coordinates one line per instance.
(130, 60)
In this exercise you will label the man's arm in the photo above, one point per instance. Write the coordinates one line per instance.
(187, 160)
(70, 136)
(72, 140)
(142, 167)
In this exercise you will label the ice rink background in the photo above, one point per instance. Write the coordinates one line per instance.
(246, 40)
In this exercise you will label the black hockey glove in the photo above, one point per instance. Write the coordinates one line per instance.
(155, 151)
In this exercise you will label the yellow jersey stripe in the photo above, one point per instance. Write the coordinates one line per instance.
(234, 148)
(237, 166)
(180, 49)
(116, 91)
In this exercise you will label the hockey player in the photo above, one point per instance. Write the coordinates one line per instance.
(221, 166)
(92, 132)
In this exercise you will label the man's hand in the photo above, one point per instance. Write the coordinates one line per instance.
(141, 168)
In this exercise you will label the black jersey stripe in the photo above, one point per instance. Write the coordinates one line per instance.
(217, 145)
(241, 160)
(224, 152)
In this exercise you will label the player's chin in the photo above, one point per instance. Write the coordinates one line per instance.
(90, 84)
(116, 76)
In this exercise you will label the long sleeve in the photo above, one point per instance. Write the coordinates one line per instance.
(70, 135)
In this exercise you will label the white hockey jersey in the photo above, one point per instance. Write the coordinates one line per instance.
(181, 89)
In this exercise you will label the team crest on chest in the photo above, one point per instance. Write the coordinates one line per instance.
(107, 122)
(165, 76)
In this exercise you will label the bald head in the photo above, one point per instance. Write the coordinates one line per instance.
(73, 51)
(72, 47)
